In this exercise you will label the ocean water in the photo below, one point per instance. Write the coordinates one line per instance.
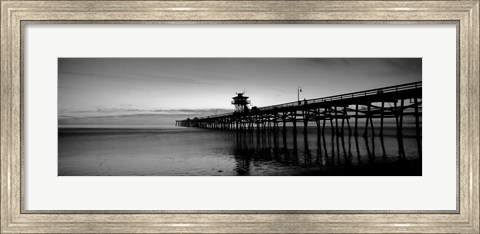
(180, 151)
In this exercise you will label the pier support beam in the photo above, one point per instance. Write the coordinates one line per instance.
(399, 135)
(324, 116)
(382, 112)
(319, 139)
(417, 128)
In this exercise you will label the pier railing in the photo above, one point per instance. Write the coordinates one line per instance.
(364, 93)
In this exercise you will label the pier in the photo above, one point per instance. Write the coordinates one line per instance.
(350, 114)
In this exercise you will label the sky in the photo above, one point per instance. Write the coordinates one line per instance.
(112, 90)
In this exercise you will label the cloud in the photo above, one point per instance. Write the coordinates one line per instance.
(126, 111)
(136, 77)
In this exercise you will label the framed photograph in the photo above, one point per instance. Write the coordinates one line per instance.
(240, 117)
(107, 126)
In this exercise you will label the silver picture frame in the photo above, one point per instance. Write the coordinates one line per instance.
(16, 14)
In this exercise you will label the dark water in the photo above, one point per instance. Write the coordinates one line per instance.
(204, 152)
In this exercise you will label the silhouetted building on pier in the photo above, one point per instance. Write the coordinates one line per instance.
(241, 103)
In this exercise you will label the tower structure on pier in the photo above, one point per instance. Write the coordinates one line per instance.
(241, 103)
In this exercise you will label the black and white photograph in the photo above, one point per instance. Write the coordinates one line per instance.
(239, 116)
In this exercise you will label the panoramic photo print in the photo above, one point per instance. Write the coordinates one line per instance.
(239, 117)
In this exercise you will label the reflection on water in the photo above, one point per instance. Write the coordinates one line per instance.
(318, 154)
(193, 151)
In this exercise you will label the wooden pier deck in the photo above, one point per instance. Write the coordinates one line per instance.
(393, 102)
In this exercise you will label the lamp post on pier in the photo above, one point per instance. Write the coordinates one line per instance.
(298, 93)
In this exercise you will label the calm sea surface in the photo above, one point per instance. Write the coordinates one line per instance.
(182, 151)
